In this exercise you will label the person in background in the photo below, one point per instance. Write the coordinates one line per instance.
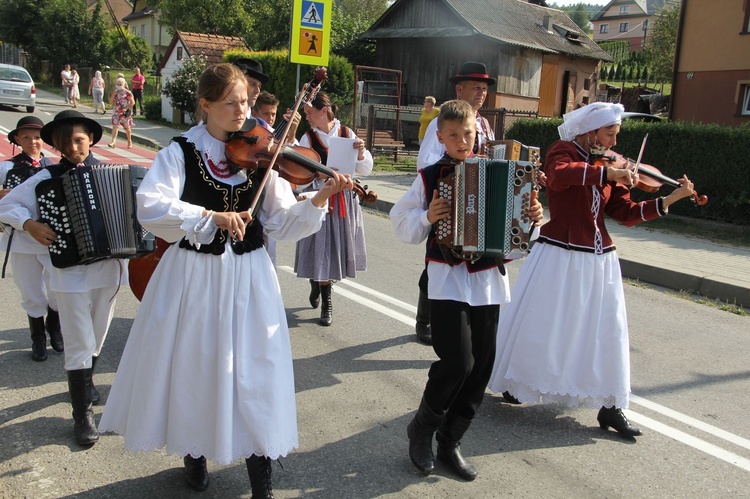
(96, 90)
(265, 108)
(471, 84)
(122, 112)
(214, 381)
(338, 250)
(28, 258)
(86, 294)
(464, 299)
(75, 92)
(429, 113)
(65, 77)
(137, 84)
(564, 337)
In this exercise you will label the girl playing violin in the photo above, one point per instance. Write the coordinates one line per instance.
(207, 369)
(338, 250)
(564, 337)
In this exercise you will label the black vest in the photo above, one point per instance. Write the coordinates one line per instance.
(430, 176)
(23, 168)
(204, 190)
(64, 165)
(317, 146)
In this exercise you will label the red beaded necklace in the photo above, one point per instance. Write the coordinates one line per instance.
(220, 171)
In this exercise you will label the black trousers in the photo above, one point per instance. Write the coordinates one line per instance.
(138, 98)
(463, 338)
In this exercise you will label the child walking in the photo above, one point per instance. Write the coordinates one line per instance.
(86, 294)
(27, 257)
(464, 302)
(207, 369)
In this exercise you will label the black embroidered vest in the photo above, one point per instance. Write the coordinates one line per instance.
(430, 177)
(23, 168)
(204, 190)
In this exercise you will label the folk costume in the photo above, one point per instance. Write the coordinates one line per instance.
(86, 294)
(464, 301)
(564, 338)
(207, 369)
(338, 250)
(27, 257)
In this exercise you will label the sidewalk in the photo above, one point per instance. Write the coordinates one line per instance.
(676, 262)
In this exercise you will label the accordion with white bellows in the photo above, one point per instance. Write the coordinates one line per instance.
(93, 211)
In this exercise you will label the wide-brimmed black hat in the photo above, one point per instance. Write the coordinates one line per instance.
(25, 122)
(252, 68)
(473, 71)
(69, 116)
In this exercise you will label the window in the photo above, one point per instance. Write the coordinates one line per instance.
(179, 53)
(745, 110)
(624, 27)
(624, 9)
(143, 31)
(746, 20)
(604, 28)
(587, 83)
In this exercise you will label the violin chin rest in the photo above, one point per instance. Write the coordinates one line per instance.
(249, 124)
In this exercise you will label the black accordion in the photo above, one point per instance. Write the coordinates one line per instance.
(18, 175)
(93, 211)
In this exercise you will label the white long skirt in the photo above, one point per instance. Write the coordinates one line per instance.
(207, 369)
(564, 336)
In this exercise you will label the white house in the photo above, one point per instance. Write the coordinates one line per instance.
(185, 45)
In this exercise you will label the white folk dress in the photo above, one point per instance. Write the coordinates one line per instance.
(207, 369)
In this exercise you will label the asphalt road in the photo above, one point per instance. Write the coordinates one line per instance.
(359, 381)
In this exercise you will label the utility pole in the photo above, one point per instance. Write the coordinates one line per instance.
(645, 33)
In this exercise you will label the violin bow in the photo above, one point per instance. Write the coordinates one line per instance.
(640, 154)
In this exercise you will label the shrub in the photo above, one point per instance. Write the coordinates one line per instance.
(152, 107)
(707, 154)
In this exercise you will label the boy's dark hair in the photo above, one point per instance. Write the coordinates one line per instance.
(454, 110)
(62, 136)
(265, 99)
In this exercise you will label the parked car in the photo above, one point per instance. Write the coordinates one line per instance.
(651, 118)
(17, 87)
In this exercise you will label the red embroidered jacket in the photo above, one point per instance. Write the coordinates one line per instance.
(579, 195)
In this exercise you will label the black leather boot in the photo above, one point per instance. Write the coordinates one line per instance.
(196, 472)
(79, 386)
(424, 332)
(510, 398)
(449, 447)
(259, 471)
(95, 397)
(420, 432)
(53, 329)
(314, 294)
(326, 309)
(38, 339)
(614, 417)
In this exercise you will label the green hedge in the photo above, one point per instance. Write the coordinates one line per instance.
(712, 156)
(339, 85)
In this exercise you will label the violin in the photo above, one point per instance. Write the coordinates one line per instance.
(650, 179)
(249, 149)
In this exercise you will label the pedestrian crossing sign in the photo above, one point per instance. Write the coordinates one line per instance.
(311, 32)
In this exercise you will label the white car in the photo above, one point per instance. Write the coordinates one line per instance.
(17, 87)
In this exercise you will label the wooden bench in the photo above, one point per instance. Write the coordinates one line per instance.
(382, 141)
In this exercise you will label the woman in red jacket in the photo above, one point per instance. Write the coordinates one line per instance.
(564, 337)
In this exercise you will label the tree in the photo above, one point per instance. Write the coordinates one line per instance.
(224, 17)
(581, 17)
(661, 50)
(182, 87)
(125, 49)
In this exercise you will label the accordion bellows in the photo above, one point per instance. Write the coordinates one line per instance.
(93, 211)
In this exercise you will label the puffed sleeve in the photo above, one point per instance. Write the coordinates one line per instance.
(409, 214)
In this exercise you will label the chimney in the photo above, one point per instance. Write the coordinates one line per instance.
(548, 23)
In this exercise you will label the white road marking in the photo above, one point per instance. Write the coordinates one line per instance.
(645, 421)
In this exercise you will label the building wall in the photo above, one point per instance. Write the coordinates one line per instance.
(155, 35)
(171, 65)
(711, 77)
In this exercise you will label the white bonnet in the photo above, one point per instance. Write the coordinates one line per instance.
(590, 117)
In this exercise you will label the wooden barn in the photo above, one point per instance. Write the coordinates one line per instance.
(542, 61)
